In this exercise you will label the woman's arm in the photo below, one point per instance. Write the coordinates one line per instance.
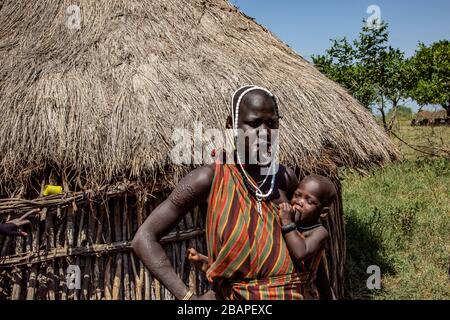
(190, 192)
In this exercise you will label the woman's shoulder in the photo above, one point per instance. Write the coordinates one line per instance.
(196, 184)
(202, 176)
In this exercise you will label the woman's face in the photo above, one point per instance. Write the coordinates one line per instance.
(257, 121)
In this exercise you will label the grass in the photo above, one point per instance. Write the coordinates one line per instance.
(429, 139)
(398, 218)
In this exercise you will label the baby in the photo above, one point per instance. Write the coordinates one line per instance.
(304, 234)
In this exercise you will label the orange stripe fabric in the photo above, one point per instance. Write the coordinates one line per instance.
(249, 257)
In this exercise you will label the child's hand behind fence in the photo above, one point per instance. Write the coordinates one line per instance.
(199, 260)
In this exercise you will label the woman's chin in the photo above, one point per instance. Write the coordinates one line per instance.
(265, 160)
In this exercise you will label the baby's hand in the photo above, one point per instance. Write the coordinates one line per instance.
(287, 213)
(192, 255)
(199, 260)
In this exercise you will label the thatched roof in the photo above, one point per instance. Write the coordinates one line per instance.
(104, 99)
(431, 115)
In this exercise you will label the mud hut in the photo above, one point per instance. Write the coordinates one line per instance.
(90, 92)
(424, 118)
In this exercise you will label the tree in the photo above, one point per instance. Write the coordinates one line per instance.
(395, 81)
(431, 70)
(340, 64)
(372, 71)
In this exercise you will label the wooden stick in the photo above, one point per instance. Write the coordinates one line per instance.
(62, 280)
(157, 289)
(17, 273)
(101, 218)
(147, 285)
(108, 287)
(17, 206)
(96, 291)
(126, 271)
(108, 271)
(118, 273)
(70, 227)
(132, 290)
(126, 278)
(50, 244)
(32, 282)
(51, 285)
(137, 279)
(81, 236)
(86, 279)
(96, 249)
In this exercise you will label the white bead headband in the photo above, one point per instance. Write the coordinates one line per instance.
(235, 111)
(235, 117)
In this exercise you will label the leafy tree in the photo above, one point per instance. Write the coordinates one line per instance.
(431, 70)
(340, 64)
(372, 71)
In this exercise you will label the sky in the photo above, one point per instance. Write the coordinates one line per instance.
(308, 25)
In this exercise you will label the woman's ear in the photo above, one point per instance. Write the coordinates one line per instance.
(324, 213)
(229, 124)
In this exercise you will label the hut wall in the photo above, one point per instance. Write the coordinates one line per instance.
(94, 233)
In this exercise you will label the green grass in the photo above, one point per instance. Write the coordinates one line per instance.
(399, 219)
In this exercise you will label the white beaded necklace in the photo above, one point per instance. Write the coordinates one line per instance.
(260, 196)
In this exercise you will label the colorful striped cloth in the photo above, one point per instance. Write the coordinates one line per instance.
(248, 256)
(308, 275)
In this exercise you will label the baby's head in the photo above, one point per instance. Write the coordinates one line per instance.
(312, 198)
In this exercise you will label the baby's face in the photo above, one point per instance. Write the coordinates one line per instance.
(307, 201)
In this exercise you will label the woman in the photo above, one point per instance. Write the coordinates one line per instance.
(249, 258)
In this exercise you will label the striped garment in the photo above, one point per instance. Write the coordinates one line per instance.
(248, 257)
(308, 275)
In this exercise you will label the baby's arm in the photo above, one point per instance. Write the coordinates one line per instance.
(301, 248)
(198, 259)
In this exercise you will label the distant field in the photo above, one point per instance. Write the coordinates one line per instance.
(429, 139)
(399, 219)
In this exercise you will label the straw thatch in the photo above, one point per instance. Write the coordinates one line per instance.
(103, 100)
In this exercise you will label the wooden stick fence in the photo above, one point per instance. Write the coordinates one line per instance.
(93, 233)
(93, 230)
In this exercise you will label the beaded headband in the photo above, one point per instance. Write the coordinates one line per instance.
(235, 110)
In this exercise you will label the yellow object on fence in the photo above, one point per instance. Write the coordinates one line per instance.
(50, 189)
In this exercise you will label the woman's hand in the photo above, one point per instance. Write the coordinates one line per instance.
(210, 295)
(286, 213)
